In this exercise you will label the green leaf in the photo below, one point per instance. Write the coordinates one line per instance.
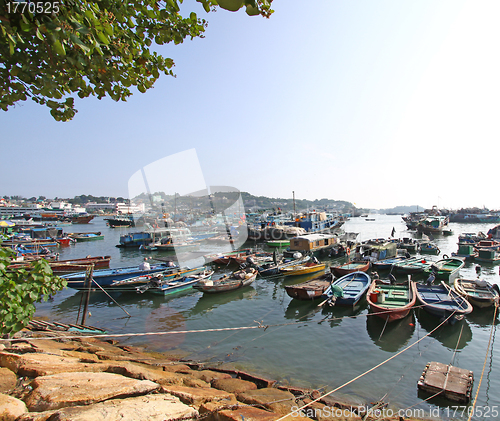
(59, 48)
(39, 34)
(103, 38)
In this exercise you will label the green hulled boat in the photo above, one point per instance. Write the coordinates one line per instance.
(278, 243)
(446, 269)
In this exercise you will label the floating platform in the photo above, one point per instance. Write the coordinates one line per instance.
(454, 383)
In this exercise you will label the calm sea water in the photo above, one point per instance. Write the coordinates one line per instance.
(312, 347)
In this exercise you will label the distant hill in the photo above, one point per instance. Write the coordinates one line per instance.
(403, 209)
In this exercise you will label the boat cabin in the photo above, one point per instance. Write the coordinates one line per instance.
(313, 242)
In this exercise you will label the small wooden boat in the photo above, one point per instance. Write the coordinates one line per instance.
(446, 269)
(479, 293)
(166, 285)
(303, 269)
(60, 267)
(110, 277)
(86, 236)
(441, 301)
(229, 282)
(272, 268)
(391, 301)
(386, 264)
(312, 289)
(225, 258)
(428, 247)
(350, 267)
(347, 290)
(411, 266)
(487, 244)
(255, 258)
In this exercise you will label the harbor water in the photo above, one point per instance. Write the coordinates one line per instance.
(299, 343)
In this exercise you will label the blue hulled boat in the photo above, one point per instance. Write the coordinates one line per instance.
(386, 264)
(170, 284)
(441, 301)
(108, 277)
(348, 290)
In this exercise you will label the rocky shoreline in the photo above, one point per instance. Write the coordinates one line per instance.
(87, 378)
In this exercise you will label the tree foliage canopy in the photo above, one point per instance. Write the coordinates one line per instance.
(20, 289)
(53, 49)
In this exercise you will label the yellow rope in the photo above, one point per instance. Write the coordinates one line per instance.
(368, 371)
(471, 410)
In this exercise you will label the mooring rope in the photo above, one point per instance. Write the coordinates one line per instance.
(493, 328)
(367, 371)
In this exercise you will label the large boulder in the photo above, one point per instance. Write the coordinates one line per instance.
(11, 408)
(275, 400)
(8, 380)
(151, 408)
(72, 389)
(34, 365)
(233, 385)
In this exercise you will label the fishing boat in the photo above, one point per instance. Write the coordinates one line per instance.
(60, 267)
(120, 221)
(409, 244)
(166, 284)
(441, 301)
(347, 290)
(428, 247)
(411, 266)
(487, 255)
(302, 269)
(130, 284)
(446, 269)
(487, 244)
(312, 289)
(479, 293)
(465, 251)
(225, 258)
(273, 268)
(391, 301)
(86, 236)
(387, 264)
(349, 267)
(229, 282)
(107, 277)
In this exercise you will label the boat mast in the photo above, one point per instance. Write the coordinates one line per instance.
(294, 217)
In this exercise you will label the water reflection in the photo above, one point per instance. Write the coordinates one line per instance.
(337, 313)
(302, 310)
(390, 337)
(483, 317)
(209, 302)
(447, 334)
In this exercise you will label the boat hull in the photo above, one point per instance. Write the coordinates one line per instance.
(398, 304)
(443, 302)
(353, 286)
(310, 290)
(349, 267)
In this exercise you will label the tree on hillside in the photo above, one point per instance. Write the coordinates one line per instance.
(52, 50)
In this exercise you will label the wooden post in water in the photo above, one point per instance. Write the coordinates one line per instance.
(88, 281)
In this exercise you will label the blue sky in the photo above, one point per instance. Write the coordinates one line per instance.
(380, 103)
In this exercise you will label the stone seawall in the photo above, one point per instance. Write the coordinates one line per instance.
(83, 378)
